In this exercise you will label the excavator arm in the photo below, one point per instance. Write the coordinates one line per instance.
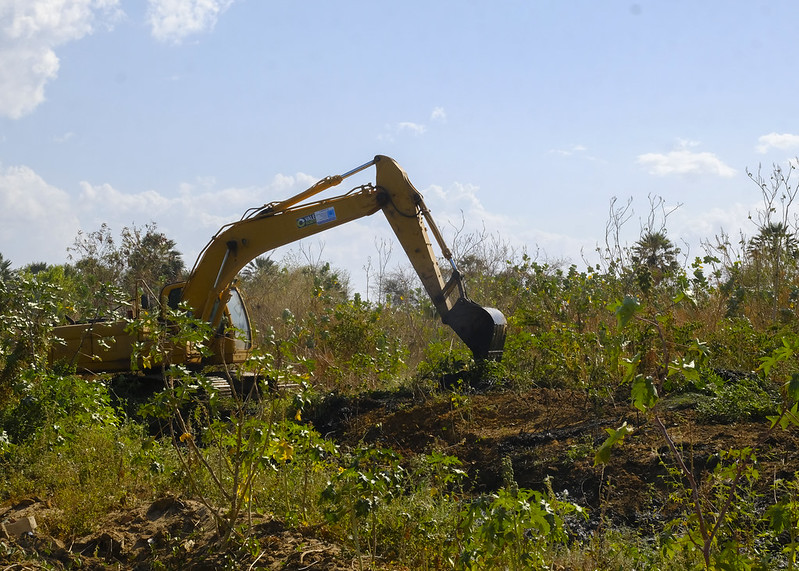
(208, 289)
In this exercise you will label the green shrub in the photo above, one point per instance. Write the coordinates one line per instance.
(43, 401)
(85, 472)
(511, 529)
(738, 399)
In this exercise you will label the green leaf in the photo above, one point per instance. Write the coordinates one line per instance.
(602, 455)
(780, 354)
(631, 368)
(685, 296)
(792, 388)
(626, 310)
(786, 418)
(644, 393)
(793, 415)
(688, 370)
(779, 517)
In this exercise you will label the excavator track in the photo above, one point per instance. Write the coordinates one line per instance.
(221, 385)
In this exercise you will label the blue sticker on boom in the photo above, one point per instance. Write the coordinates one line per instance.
(318, 217)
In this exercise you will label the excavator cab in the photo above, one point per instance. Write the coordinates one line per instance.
(229, 316)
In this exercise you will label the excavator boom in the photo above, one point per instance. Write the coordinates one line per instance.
(273, 225)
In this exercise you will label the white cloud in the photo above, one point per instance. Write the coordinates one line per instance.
(457, 197)
(415, 128)
(36, 219)
(685, 162)
(705, 224)
(174, 20)
(191, 215)
(63, 138)
(438, 115)
(686, 143)
(29, 33)
(104, 198)
(574, 149)
(459, 212)
(782, 141)
(392, 131)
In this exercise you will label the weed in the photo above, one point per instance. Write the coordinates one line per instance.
(355, 494)
(740, 399)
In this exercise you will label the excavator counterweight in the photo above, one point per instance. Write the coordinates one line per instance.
(209, 292)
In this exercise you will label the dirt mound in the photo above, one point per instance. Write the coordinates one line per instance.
(554, 434)
(169, 533)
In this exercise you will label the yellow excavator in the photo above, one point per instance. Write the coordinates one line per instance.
(210, 294)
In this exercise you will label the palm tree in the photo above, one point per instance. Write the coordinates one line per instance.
(261, 265)
(774, 248)
(655, 252)
(36, 267)
(5, 269)
(774, 240)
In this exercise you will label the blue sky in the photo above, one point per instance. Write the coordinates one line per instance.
(522, 119)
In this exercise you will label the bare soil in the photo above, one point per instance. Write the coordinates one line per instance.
(170, 533)
(547, 434)
(553, 434)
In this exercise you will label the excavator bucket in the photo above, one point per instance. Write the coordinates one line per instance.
(482, 329)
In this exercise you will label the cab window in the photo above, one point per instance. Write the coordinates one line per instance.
(239, 319)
